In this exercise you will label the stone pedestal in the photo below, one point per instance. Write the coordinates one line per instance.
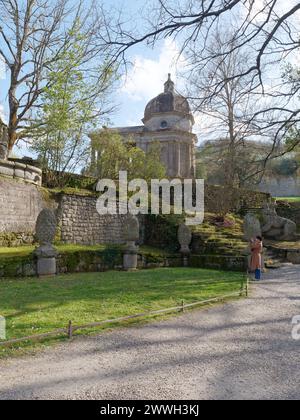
(46, 267)
(130, 261)
(46, 260)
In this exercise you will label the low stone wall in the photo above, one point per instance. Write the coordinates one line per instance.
(20, 171)
(85, 262)
(76, 262)
(286, 254)
(219, 262)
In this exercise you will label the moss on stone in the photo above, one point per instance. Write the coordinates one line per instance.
(74, 191)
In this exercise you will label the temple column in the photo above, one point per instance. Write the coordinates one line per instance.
(93, 156)
(171, 158)
(177, 159)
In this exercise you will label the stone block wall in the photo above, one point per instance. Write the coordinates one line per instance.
(20, 204)
(21, 201)
(81, 224)
(238, 199)
(291, 212)
(285, 186)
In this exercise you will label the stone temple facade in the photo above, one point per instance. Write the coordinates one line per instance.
(169, 121)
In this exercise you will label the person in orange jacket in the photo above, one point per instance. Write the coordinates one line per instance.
(256, 256)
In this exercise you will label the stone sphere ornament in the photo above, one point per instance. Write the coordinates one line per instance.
(45, 233)
(131, 229)
(46, 227)
(184, 238)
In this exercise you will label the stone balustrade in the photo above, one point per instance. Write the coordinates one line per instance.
(21, 171)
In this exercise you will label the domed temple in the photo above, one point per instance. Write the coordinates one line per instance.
(169, 121)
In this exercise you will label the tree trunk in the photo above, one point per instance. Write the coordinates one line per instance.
(3, 141)
(13, 114)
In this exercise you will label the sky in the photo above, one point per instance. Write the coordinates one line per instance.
(145, 78)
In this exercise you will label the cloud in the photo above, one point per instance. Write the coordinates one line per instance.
(2, 113)
(145, 79)
(2, 70)
(260, 9)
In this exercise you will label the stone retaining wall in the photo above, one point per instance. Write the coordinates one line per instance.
(285, 186)
(81, 224)
(20, 205)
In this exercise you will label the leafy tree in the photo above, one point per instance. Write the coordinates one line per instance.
(114, 154)
(71, 105)
(33, 33)
(287, 166)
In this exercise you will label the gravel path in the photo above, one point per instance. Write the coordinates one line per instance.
(240, 350)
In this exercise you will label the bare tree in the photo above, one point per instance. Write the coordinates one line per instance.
(270, 28)
(32, 35)
(229, 113)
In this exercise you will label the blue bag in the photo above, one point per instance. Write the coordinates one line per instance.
(258, 274)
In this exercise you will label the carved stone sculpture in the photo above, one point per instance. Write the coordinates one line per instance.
(45, 233)
(184, 238)
(276, 227)
(131, 232)
(251, 227)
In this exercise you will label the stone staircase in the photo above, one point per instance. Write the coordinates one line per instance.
(272, 260)
(226, 248)
(218, 244)
(220, 248)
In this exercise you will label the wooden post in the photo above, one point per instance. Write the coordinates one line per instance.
(182, 306)
(70, 330)
(247, 287)
(242, 289)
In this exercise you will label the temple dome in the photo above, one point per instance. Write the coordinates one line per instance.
(167, 102)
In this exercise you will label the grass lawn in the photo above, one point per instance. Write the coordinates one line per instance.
(26, 250)
(289, 199)
(33, 306)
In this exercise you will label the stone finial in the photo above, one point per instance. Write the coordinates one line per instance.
(46, 227)
(251, 226)
(45, 233)
(169, 85)
(184, 239)
(131, 232)
(131, 229)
